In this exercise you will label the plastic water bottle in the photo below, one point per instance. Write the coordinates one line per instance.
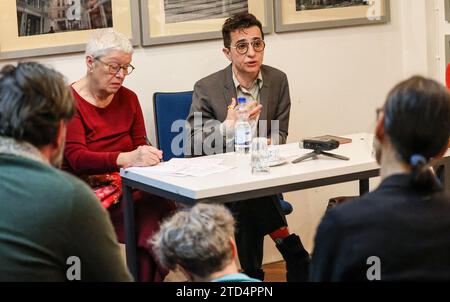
(242, 130)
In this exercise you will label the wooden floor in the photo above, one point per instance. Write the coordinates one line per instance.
(275, 272)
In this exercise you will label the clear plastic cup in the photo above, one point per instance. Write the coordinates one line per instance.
(260, 156)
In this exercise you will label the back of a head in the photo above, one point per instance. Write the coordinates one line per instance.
(197, 239)
(417, 121)
(104, 40)
(34, 100)
(238, 22)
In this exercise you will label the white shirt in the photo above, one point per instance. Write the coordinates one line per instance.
(252, 94)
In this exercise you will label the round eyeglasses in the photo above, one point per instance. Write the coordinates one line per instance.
(115, 68)
(242, 47)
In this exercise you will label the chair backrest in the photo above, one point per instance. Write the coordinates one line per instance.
(169, 107)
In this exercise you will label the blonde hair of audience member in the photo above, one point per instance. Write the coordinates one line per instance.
(199, 242)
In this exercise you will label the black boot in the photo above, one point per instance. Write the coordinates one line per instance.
(257, 274)
(296, 257)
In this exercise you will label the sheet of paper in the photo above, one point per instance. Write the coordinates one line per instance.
(198, 167)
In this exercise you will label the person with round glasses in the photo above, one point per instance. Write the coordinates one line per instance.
(258, 45)
(108, 133)
(267, 92)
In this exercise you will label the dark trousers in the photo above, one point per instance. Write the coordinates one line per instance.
(255, 218)
(150, 210)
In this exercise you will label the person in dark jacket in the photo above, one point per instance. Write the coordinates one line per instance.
(400, 231)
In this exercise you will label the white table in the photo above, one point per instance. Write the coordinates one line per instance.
(240, 184)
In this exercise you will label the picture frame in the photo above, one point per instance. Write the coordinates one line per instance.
(447, 50)
(14, 44)
(447, 10)
(163, 24)
(297, 15)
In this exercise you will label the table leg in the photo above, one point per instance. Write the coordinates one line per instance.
(130, 234)
(363, 186)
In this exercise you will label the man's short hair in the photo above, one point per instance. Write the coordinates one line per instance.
(34, 100)
(239, 22)
(197, 239)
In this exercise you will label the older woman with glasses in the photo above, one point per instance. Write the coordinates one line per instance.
(108, 133)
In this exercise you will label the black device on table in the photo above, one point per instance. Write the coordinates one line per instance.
(319, 147)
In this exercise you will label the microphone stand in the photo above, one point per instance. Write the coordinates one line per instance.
(315, 155)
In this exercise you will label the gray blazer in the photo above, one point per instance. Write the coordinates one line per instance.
(213, 94)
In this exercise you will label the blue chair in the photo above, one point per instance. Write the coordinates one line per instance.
(285, 205)
(169, 107)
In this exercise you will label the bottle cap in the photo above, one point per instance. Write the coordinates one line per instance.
(241, 100)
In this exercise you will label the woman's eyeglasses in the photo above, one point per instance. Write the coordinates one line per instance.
(115, 68)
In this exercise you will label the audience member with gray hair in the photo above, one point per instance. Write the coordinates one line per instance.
(200, 242)
(108, 133)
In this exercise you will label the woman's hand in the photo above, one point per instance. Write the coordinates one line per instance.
(143, 156)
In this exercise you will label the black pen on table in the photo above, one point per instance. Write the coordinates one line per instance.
(149, 143)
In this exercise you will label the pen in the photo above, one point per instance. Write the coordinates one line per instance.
(149, 143)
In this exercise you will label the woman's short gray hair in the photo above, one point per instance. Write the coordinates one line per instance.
(197, 239)
(105, 40)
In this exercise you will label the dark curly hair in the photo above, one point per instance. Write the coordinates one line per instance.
(34, 99)
(239, 22)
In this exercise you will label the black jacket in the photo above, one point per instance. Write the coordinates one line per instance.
(408, 230)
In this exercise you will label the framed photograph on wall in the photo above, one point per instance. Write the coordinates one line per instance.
(447, 10)
(44, 27)
(447, 60)
(293, 15)
(174, 21)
